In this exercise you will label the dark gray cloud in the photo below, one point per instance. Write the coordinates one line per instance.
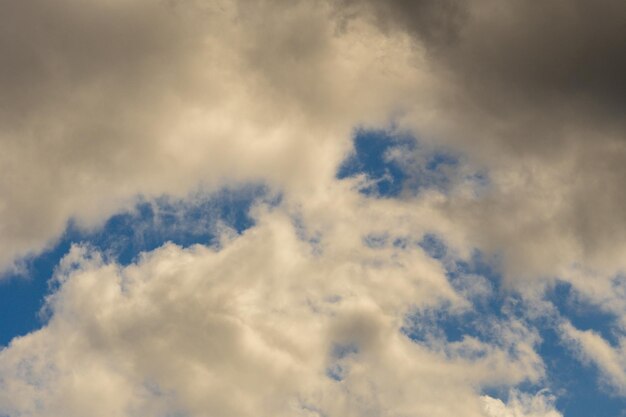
(518, 50)
(543, 54)
(536, 92)
(436, 22)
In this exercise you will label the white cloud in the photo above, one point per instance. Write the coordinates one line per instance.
(257, 327)
(522, 405)
(591, 347)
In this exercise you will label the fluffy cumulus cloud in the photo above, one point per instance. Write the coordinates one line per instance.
(504, 138)
(264, 325)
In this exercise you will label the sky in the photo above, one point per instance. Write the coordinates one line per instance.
(333, 208)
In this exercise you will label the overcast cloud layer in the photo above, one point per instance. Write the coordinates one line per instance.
(104, 104)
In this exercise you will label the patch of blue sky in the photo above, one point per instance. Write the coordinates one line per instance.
(123, 237)
(577, 386)
(396, 164)
(339, 354)
(21, 297)
(582, 313)
(183, 222)
(336, 372)
(476, 278)
(433, 246)
(479, 283)
(580, 384)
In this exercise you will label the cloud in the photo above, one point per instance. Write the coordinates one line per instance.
(107, 101)
(592, 348)
(436, 22)
(201, 94)
(522, 405)
(518, 53)
(262, 326)
(534, 96)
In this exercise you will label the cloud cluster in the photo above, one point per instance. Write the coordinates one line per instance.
(105, 102)
(537, 95)
(264, 326)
